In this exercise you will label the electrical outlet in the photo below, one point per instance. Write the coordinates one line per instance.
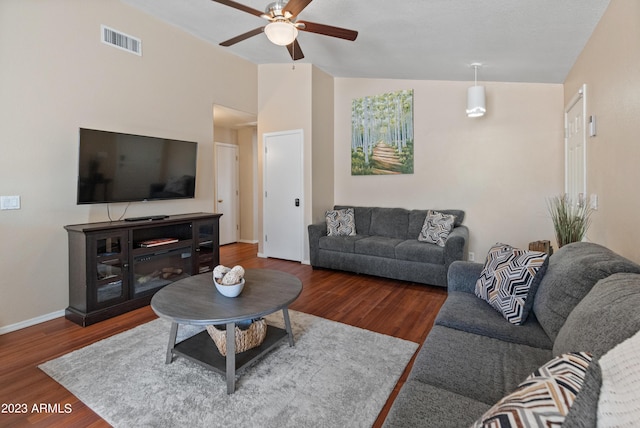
(472, 256)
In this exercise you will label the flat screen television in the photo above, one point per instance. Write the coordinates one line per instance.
(117, 167)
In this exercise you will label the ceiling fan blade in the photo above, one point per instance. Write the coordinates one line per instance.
(296, 6)
(239, 6)
(328, 30)
(242, 37)
(295, 51)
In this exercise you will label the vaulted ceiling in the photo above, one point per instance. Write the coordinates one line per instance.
(515, 40)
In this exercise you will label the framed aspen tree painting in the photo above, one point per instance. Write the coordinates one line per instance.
(382, 134)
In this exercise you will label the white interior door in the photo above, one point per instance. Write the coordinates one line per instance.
(283, 190)
(575, 148)
(227, 192)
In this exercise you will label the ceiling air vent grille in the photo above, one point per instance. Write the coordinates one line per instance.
(120, 40)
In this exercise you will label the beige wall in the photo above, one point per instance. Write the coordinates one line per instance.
(610, 66)
(247, 140)
(499, 168)
(55, 77)
(285, 104)
(322, 169)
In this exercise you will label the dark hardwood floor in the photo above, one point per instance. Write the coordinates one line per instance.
(390, 307)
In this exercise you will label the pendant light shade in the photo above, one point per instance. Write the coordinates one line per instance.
(475, 101)
(475, 97)
(281, 33)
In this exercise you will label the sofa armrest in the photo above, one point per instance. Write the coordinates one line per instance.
(455, 247)
(462, 276)
(316, 231)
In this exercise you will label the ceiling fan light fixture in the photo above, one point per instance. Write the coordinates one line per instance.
(476, 97)
(281, 33)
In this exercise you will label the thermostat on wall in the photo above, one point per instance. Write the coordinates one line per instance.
(9, 202)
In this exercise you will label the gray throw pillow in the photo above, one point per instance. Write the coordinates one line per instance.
(436, 228)
(340, 222)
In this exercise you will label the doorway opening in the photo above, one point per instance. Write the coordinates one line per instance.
(236, 130)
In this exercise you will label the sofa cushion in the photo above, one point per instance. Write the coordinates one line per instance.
(464, 311)
(478, 367)
(619, 297)
(389, 222)
(343, 244)
(377, 246)
(544, 399)
(436, 228)
(362, 216)
(510, 279)
(421, 405)
(340, 222)
(573, 270)
(415, 251)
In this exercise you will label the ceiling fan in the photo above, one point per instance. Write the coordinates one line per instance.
(283, 27)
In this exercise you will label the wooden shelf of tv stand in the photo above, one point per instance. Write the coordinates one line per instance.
(196, 232)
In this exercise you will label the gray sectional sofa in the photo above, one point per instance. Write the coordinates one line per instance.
(386, 245)
(587, 301)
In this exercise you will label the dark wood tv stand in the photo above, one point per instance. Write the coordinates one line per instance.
(115, 267)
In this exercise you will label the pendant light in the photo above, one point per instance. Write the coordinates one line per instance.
(475, 96)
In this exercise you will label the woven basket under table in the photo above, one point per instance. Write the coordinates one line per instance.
(245, 339)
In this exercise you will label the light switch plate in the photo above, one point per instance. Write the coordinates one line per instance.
(10, 202)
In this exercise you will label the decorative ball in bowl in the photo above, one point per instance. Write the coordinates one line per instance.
(232, 290)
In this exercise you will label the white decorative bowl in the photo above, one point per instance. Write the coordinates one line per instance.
(230, 290)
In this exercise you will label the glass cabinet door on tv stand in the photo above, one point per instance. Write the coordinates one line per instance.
(206, 243)
(109, 270)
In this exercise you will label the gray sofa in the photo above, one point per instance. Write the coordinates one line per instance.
(386, 244)
(587, 301)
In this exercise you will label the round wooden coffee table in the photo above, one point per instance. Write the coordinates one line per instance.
(195, 300)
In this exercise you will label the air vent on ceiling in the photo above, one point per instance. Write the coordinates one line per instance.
(120, 40)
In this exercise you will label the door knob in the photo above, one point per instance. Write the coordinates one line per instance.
(220, 201)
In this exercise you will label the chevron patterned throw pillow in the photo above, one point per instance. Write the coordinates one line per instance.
(509, 280)
(544, 398)
(341, 222)
(436, 228)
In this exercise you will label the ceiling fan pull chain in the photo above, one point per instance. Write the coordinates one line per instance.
(293, 61)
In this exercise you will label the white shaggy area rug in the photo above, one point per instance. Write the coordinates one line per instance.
(336, 375)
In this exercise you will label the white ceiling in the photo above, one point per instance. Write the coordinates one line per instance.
(515, 40)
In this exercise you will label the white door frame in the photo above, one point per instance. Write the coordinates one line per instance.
(265, 137)
(235, 185)
(580, 95)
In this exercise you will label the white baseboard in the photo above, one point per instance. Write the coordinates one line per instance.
(247, 241)
(304, 262)
(33, 321)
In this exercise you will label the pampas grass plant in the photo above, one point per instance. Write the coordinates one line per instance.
(570, 221)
